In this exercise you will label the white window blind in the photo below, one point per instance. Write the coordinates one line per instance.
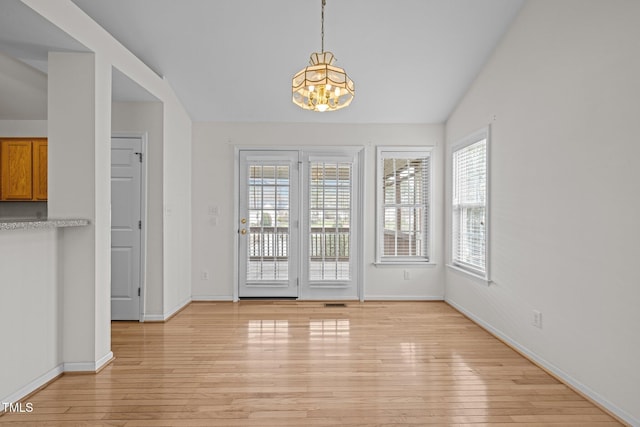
(404, 204)
(268, 222)
(469, 205)
(330, 188)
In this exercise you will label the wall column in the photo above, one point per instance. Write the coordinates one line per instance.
(79, 121)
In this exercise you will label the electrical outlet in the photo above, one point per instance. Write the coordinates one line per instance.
(204, 275)
(537, 319)
(407, 275)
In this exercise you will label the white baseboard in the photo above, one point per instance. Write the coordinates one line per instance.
(212, 298)
(402, 298)
(222, 298)
(87, 366)
(177, 308)
(164, 317)
(559, 373)
(103, 361)
(33, 385)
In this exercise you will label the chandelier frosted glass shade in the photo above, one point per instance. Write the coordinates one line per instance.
(322, 86)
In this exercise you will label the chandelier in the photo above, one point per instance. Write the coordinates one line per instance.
(322, 86)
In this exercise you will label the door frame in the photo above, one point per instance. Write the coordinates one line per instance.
(358, 151)
(143, 136)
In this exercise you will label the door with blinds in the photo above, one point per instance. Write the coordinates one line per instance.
(268, 224)
(330, 223)
(297, 227)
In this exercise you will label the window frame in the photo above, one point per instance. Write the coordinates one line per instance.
(386, 152)
(475, 137)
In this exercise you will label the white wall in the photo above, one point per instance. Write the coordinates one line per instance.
(80, 187)
(176, 139)
(29, 310)
(23, 91)
(177, 207)
(77, 326)
(213, 167)
(563, 88)
(19, 128)
(141, 117)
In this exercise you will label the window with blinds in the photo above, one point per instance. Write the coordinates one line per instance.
(404, 205)
(469, 204)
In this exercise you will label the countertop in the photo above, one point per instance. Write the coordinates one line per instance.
(37, 224)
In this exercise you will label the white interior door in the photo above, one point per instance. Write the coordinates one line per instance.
(268, 224)
(126, 166)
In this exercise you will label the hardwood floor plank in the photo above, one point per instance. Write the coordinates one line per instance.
(290, 363)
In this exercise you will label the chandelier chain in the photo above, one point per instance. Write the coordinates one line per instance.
(324, 2)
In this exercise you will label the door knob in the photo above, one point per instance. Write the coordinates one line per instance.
(243, 231)
(243, 220)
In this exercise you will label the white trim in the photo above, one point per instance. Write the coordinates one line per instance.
(417, 264)
(477, 136)
(379, 203)
(177, 308)
(483, 279)
(145, 220)
(103, 360)
(362, 190)
(212, 298)
(403, 298)
(33, 385)
(559, 373)
(87, 366)
(234, 230)
(168, 314)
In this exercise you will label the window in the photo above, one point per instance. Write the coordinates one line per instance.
(469, 204)
(403, 187)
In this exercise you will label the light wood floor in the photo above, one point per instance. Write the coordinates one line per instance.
(302, 364)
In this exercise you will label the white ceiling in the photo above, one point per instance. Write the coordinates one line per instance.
(27, 36)
(232, 60)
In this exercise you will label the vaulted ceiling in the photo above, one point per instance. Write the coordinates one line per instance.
(233, 60)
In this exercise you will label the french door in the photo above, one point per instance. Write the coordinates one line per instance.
(298, 224)
(268, 224)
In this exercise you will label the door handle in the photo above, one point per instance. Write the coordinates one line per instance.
(243, 220)
(243, 231)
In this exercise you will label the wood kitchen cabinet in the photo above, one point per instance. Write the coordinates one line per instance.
(40, 162)
(23, 169)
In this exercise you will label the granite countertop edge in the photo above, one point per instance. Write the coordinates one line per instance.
(37, 224)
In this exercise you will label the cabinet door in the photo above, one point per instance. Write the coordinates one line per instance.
(40, 169)
(17, 170)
